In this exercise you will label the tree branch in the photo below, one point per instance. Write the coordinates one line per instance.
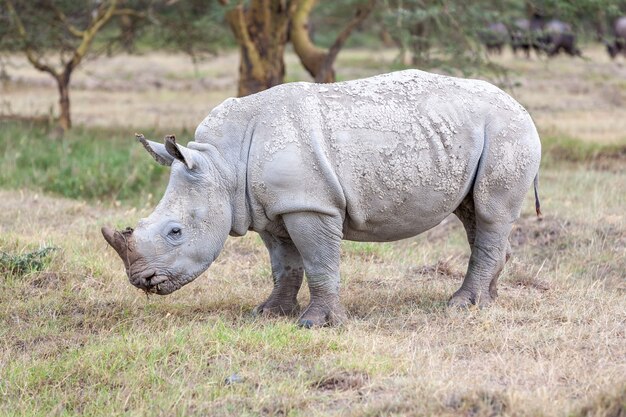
(129, 12)
(63, 18)
(101, 19)
(319, 62)
(28, 50)
(361, 14)
(310, 55)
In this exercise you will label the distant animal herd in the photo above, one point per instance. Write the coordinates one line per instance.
(549, 37)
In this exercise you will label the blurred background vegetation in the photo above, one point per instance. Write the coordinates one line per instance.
(55, 37)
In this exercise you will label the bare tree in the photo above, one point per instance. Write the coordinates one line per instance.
(73, 44)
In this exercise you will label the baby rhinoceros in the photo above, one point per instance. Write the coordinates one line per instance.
(307, 165)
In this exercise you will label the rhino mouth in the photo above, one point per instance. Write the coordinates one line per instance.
(162, 288)
(153, 283)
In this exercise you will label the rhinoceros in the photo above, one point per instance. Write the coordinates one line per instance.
(306, 165)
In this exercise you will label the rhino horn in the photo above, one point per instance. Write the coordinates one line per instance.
(120, 241)
(157, 150)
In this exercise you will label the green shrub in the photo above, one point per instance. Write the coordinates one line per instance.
(25, 263)
(90, 164)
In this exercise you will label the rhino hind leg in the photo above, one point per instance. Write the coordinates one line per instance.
(489, 254)
(318, 239)
(479, 285)
(465, 212)
(287, 273)
(488, 213)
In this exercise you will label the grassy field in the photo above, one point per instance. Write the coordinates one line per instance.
(77, 339)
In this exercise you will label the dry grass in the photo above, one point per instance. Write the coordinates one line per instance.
(77, 339)
(578, 98)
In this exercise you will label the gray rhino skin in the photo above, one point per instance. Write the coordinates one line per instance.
(307, 165)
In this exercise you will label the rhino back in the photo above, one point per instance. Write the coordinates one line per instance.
(393, 154)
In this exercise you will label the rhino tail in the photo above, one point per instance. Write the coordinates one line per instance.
(536, 186)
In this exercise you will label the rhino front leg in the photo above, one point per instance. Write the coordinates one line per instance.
(287, 272)
(318, 239)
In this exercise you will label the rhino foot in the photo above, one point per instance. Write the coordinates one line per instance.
(277, 307)
(466, 299)
(322, 314)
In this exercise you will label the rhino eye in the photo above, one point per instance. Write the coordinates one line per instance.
(175, 232)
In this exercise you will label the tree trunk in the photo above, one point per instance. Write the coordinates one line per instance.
(319, 62)
(419, 43)
(311, 57)
(128, 29)
(63, 83)
(261, 31)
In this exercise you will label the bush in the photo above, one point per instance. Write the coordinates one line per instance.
(25, 263)
(88, 164)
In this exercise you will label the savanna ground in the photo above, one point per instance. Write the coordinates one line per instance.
(77, 339)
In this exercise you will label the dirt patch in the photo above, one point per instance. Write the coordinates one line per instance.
(539, 231)
(342, 381)
(480, 404)
(521, 275)
(442, 268)
(46, 280)
(47, 346)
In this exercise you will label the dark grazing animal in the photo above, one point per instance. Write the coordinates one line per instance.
(618, 45)
(494, 37)
(527, 34)
(559, 36)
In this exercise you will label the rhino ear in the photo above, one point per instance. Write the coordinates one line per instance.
(179, 152)
(157, 150)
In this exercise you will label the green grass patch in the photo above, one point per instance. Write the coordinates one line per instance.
(20, 264)
(559, 147)
(367, 249)
(189, 364)
(90, 164)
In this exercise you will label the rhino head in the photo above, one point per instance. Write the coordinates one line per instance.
(189, 226)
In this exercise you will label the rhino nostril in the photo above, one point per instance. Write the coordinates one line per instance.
(149, 278)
